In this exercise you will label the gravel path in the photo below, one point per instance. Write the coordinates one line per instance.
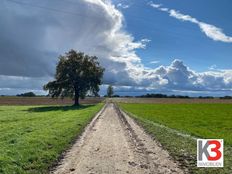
(114, 143)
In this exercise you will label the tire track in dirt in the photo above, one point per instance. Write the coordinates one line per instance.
(114, 143)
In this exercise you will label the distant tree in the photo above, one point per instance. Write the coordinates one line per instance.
(110, 91)
(76, 75)
(27, 94)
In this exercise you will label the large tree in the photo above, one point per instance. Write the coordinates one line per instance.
(76, 75)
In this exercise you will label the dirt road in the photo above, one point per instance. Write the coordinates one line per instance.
(114, 143)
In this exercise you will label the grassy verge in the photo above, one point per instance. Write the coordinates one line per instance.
(33, 137)
(164, 121)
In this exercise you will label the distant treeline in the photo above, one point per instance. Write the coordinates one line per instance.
(179, 96)
(27, 94)
(226, 97)
(162, 96)
(115, 96)
(211, 97)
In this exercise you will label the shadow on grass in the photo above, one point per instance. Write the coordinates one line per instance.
(58, 108)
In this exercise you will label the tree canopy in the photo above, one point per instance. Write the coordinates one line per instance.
(76, 75)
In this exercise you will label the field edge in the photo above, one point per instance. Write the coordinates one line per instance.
(61, 156)
(181, 148)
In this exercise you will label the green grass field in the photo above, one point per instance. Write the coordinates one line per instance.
(33, 137)
(198, 120)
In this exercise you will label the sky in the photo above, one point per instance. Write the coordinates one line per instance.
(172, 47)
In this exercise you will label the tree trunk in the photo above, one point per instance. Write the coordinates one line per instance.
(76, 98)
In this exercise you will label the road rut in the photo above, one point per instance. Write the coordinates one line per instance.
(113, 143)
